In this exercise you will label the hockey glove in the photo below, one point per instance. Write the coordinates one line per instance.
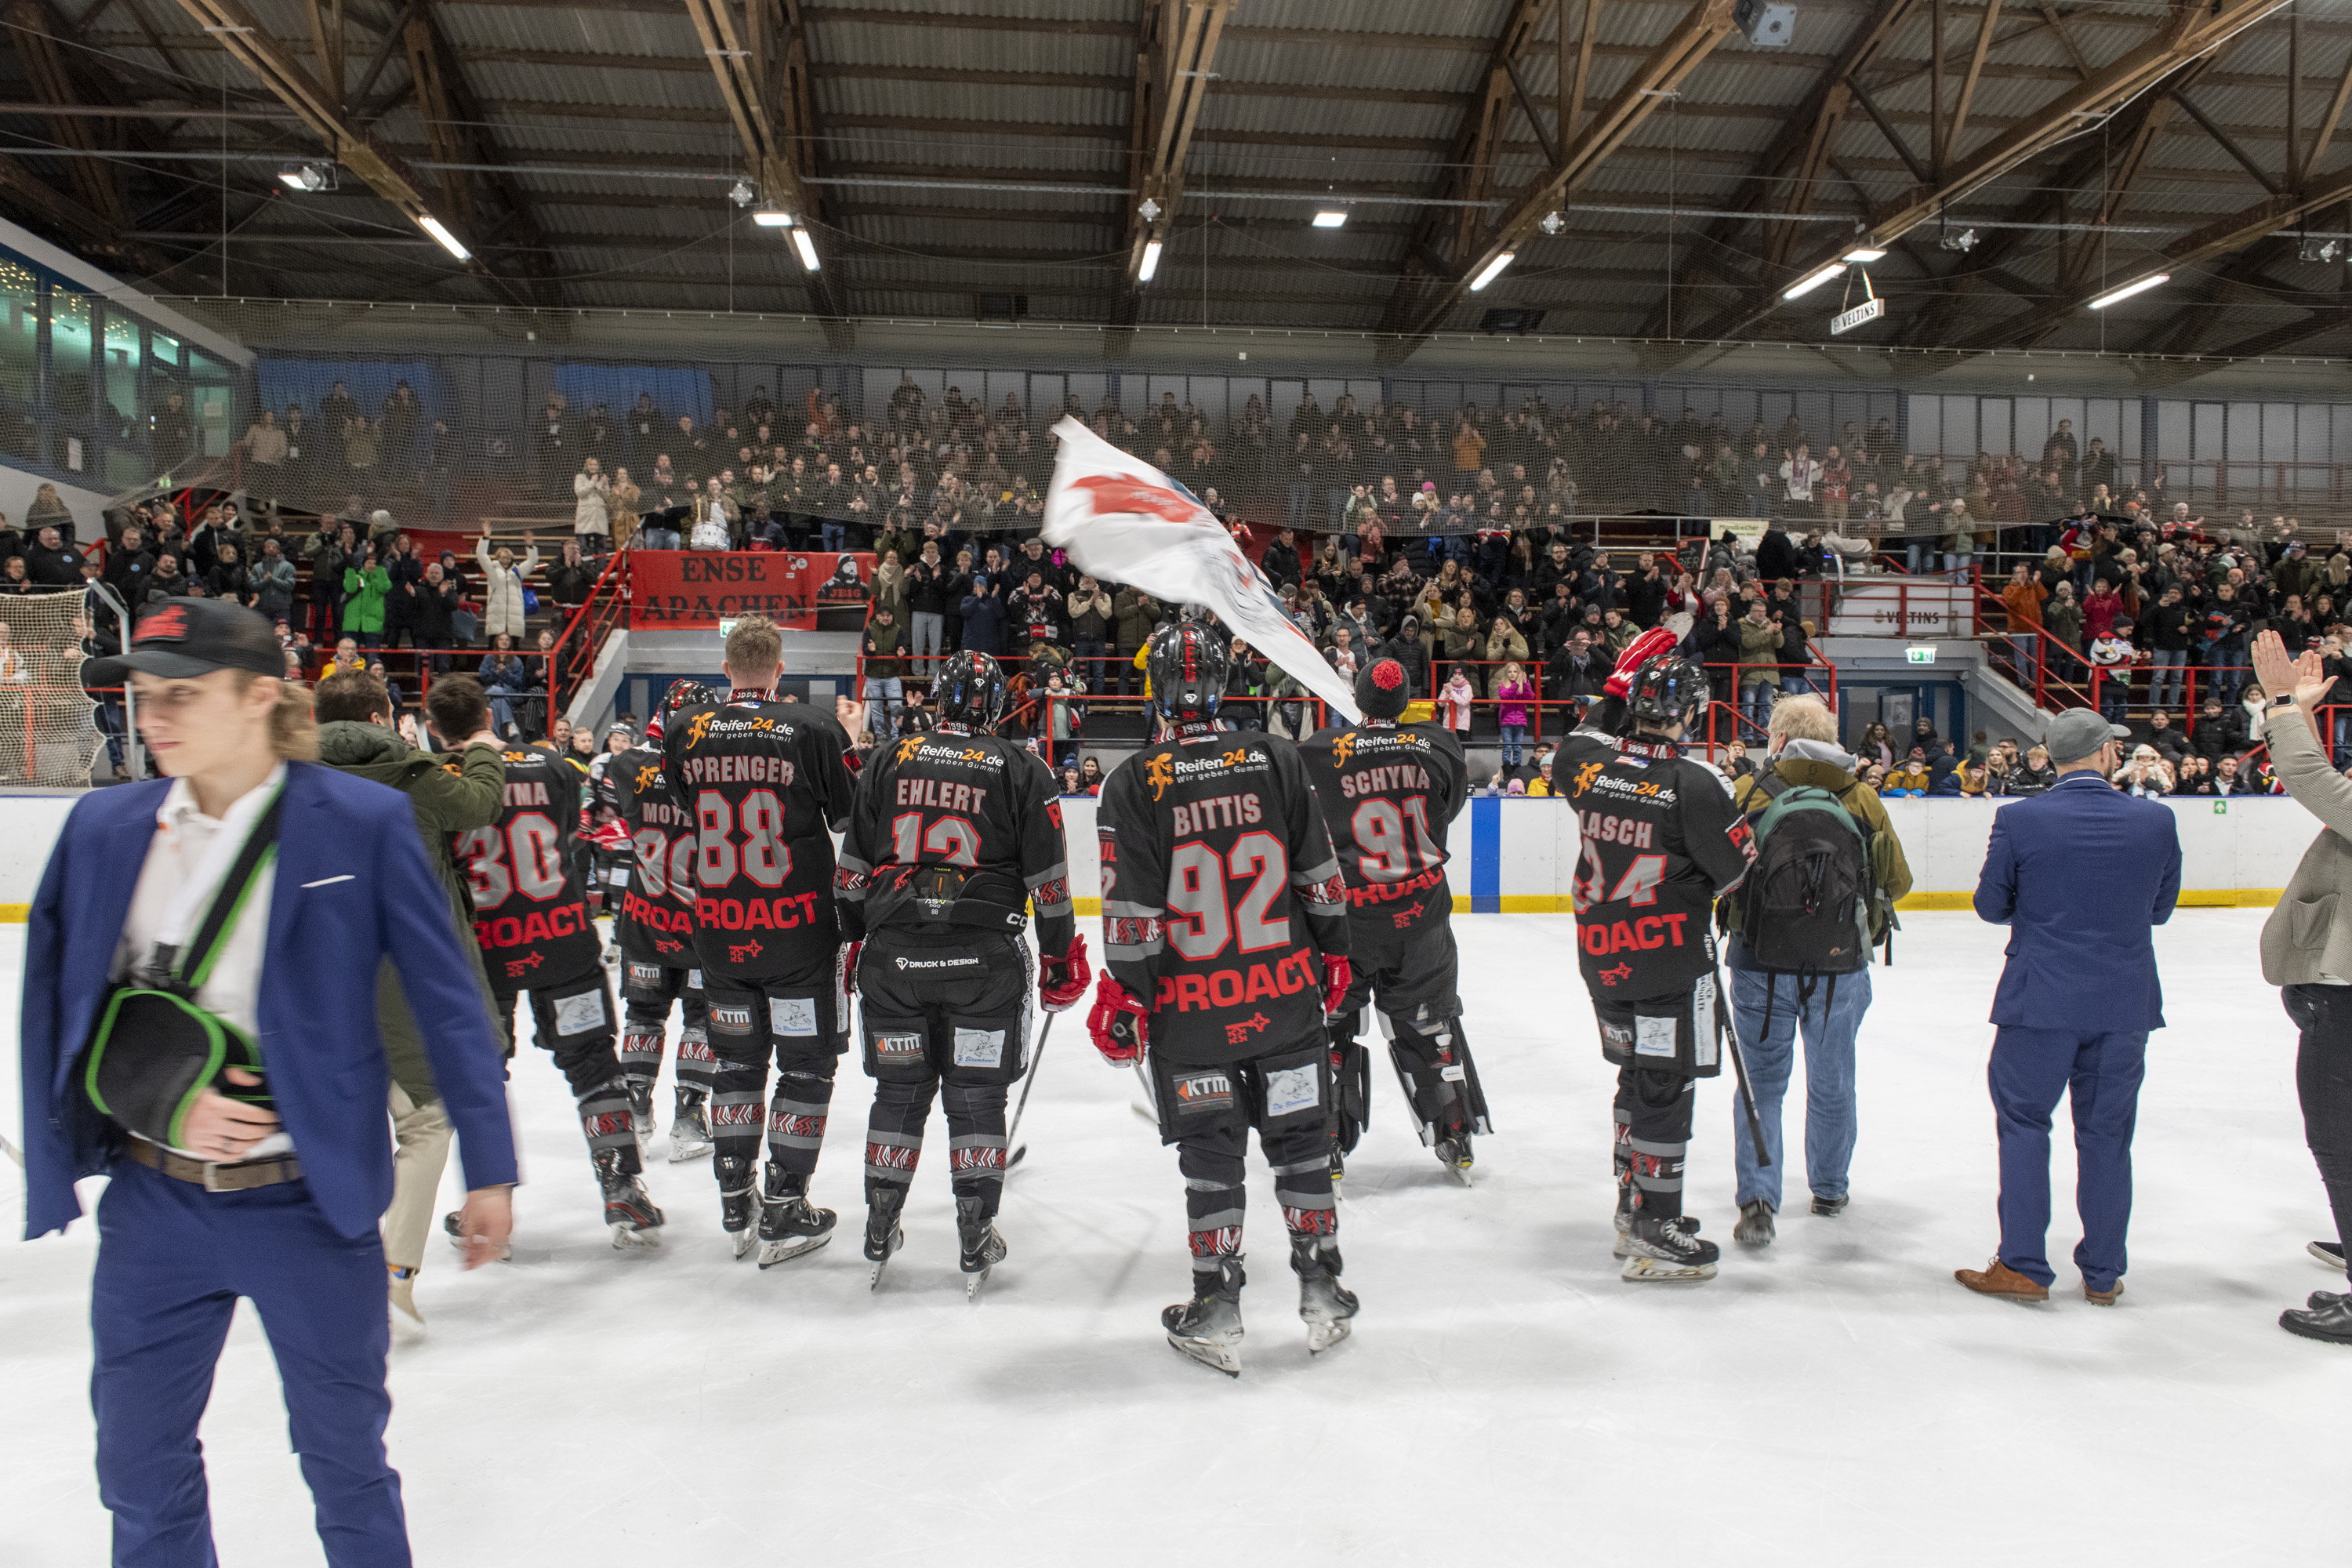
(1061, 982)
(1336, 975)
(1118, 1024)
(850, 953)
(1655, 642)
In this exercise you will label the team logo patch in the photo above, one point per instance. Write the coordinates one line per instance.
(898, 1048)
(1291, 1090)
(694, 978)
(645, 974)
(1656, 1036)
(730, 1020)
(578, 1014)
(1201, 1093)
(793, 1015)
(979, 1047)
(1617, 1036)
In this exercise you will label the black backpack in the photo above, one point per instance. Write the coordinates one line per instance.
(1805, 907)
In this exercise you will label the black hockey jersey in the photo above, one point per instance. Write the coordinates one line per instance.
(655, 918)
(1662, 842)
(529, 913)
(955, 828)
(1220, 893)
(1389, 792)
(763, 782)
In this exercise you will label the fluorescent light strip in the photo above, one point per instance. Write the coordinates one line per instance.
(1328, 219)
(771, 218)
(1494, 271)
(806, 246)
(1812, 280)
(1865, 253)
(1151, 261)
(448, 242)
(2128, 290)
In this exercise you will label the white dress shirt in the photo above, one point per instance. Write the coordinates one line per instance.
(186, 859)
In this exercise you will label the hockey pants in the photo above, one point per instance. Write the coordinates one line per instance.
(1208, 1111)
(574, 1024)
(646, 992)
(801, 1024)
(957, 1027)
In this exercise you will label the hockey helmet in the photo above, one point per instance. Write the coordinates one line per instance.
(1668, 690)
(681, 695)
(972, 690)
(1382, 688)
(1187, 665)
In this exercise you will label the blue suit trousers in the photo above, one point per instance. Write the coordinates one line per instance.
(2031, 1070)
(172, 1259)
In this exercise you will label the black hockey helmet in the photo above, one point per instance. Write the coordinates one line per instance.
(1668, 690)
(681, 695)
(1187, 665)
(972, 690)
(1382, 688)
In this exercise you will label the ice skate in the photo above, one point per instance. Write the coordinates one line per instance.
(2331, 1253)
(789, 1224)
(407, 1320)
(883, 1235)
(453, 1224)
(690, 1131)
(1325, 1305)
(641, 1112)
(1208, 1328)
(1667, 1248)
(983, 1248)
(1830, 1208)
(1755, 1227)
(627, 1209)
(736, 1200)
(1454, 1153)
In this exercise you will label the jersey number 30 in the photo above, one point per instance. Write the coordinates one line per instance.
(537, 863)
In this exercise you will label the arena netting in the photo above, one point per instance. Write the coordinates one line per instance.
(48, 730)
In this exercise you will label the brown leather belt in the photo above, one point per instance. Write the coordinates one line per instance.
(240, 1176)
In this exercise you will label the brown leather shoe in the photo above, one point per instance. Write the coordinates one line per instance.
(1998, 1279)
(2105, 1297)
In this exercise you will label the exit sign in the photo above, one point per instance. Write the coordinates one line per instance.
(1920, 655)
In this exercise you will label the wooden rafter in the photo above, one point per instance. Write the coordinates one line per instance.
(1975, 71)
(1175, 60)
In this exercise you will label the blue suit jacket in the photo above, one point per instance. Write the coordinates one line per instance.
(2081, 875)
(352, 888)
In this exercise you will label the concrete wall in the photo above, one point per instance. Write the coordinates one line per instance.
(1513, 856)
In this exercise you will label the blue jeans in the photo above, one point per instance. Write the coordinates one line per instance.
(2343, 728)
(1760, 694)
(1088, 657)
(2025, 646)
(2166, 690)
(1830, 1018)
(1515, 745)
(172, 1258)
(1295, 504)
(659, 538)
(832, 533)
(2030, 1071)
(884, 697)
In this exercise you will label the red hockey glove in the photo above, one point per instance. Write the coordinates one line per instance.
(849, 957)
(1336, 975)
(1120, 1027)
(1655, 642)
(1061, 982)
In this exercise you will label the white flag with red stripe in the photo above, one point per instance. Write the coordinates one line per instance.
(1126, 521)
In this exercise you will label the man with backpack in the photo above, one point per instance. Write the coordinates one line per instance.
(1828, 872)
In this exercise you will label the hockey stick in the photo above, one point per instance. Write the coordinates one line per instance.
(1747, 1096)
(1150, 1098)
(1028, 1082)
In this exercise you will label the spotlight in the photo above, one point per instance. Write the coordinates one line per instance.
(2321, 250)
(1494, 271)
(2138, 286)
(1812, 280)
(1151, 261)
(1552, 222)
(440, 232)
(742, 195)
(773, 217)
(1965, 240)
(806, 246)
(308, 176)
(1330, 218)
(1149, 211)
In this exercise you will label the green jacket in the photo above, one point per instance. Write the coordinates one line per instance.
(1760, 653)
(1888, 868)
(364, 595)
(444, 803)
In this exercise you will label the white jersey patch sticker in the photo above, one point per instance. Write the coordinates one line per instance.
(694, 978)
(578, 1014)
(791, 1015)
(1292, 1088)
(1656, 1037)
(979, 1047)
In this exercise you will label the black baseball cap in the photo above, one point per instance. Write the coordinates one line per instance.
(186, 637)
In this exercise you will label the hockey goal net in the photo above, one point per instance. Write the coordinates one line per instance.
(48, 729)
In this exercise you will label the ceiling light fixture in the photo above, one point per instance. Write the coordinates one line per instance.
(1149, 211)
(1552, 222)
(1330, 218)
(308, 176)
(1861, 253)
(2138, 286)
(440, 232)
(773, 217)
(806, 246)
(1151, 261)
(1812, 280)
(1494, 270)
(741, 194)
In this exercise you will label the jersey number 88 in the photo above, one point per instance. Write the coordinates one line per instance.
(764, 856)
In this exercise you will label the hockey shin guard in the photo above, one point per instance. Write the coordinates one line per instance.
(607, 1123)
(1621, 1145)
(894, 1137)
(1216, 1198)
(696, 1063)
(796, 1121)
(976, 1143)
(737, 1105)
(1658, 1138)
(641, 1051)
(1440, 1082)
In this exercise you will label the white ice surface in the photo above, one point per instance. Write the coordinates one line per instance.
(1506, 1399)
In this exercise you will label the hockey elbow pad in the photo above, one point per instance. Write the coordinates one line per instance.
(1118, 1025)
(1061, 982)
(1337, 973)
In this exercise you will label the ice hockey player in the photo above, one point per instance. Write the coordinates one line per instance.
(1225, 947)
(1389, 792)
(1662, 841)
(1607, 721)
(655, 924)
(955, 834)
(531, 921)
(763, 781)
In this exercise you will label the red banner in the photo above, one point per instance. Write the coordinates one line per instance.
(804, 590)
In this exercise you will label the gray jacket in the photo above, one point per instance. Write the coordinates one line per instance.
(2307, 940)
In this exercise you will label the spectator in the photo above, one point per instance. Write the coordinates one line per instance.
(591, 517)
(1513, 692)
(2081, 876)
(884, 689)
(1453, 704)
(1911, 778)
(2220, 732)
(2144, 774)
(504, 681)
(503, 606)
(984, 616)
(1803, 755)
(365, 585)
(571, 580)
(49, 562)
(1877, 746)
(1092, 615)
(1759, 663)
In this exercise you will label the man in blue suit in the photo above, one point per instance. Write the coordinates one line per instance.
(2080, 875)
(275, 1200)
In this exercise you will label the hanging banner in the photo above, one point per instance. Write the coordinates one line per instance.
(801, 590)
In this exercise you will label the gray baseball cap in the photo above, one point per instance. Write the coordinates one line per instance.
(2078, 732)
